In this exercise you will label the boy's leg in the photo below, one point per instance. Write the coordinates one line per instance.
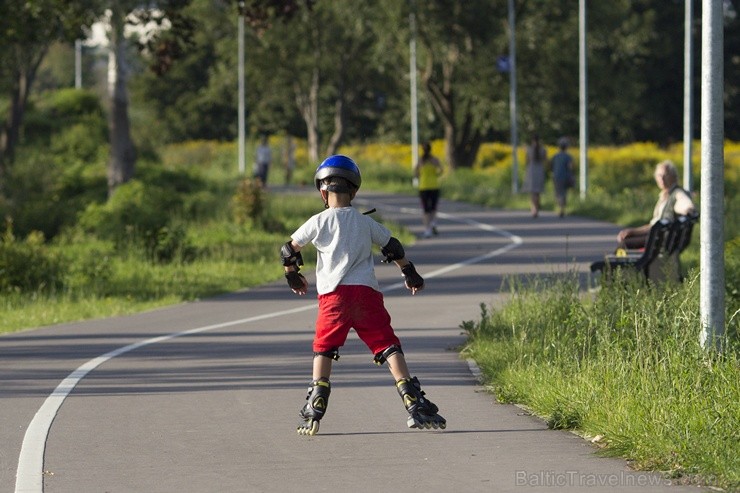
(332, 328)
(375, 330)
(317, 398)
(398, 367)
(322, 367)
(422, 411)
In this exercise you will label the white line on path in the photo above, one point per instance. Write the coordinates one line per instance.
(30, 474)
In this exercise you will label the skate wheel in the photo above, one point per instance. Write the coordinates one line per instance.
(309, 428)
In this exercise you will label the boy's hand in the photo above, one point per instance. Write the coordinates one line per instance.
(297, 282)
(413, 280)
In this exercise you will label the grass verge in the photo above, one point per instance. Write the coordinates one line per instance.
(623, 366)
(102, 282)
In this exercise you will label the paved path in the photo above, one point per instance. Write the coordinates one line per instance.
(203, 397)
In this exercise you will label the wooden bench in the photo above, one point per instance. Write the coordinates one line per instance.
(659, 260)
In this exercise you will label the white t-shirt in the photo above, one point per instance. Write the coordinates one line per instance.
(343, 238)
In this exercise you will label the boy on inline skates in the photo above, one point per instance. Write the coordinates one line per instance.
(348, 292)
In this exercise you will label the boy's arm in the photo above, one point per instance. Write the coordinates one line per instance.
(395, 253)
(413, 280)
(290, 254)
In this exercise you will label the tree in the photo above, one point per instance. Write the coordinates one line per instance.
(27, 29)
(163, 34)
(195, 98)
(122, 158)
(457, 44)
(325, 57)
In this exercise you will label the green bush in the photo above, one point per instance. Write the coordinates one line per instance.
(137, 212)
(60, 166)
(72, 103)
(84, 142)
(88, 269)
(170, 244)
(26, 266)
(248, 202)
(54, 111)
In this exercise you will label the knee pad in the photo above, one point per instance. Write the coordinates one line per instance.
(382, 356)
(333, 354)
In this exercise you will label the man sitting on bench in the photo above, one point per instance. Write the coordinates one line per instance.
(673, 201)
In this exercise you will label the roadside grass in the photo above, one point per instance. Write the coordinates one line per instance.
(623, 367)
(103, 281)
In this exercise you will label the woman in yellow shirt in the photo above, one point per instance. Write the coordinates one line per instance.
(427, 172)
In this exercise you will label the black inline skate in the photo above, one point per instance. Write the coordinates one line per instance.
(314, 409)
(422, 411)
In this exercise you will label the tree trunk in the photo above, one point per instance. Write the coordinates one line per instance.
(308, 105)
(122, 160)
(462, 140)
(338, 134)
(11, 129)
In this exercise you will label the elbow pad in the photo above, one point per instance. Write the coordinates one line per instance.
(290, 257)
(393, 250)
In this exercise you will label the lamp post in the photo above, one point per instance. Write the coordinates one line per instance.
(688, 96)
(711, 252)
(583, 98)
(78, 64)
(512, 100)
(240, 72)
(412, 78)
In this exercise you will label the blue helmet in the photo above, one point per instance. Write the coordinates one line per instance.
(341, 166)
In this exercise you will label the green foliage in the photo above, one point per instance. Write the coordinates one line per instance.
(732, 272)
(135, 208)
(53, 112)
(27, 266)
(60, 169)
(140, 215)
(88, 265)
(248, 203)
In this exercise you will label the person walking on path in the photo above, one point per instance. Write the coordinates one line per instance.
(263, 157)
(534, 181)
(349, 295)
(289, 157)
(426, 172)
(562, 175)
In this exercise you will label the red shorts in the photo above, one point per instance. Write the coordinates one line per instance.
(358, 307)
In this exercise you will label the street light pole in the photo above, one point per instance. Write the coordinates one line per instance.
(688, 96)
(240, 74)
(512, 100)
(583, 98)
(412, 78)
(78, 64)
(711, 253)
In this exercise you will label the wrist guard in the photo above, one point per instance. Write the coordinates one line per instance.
(295, 280)
(290, 257)
(413, 279)
(393, 250)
